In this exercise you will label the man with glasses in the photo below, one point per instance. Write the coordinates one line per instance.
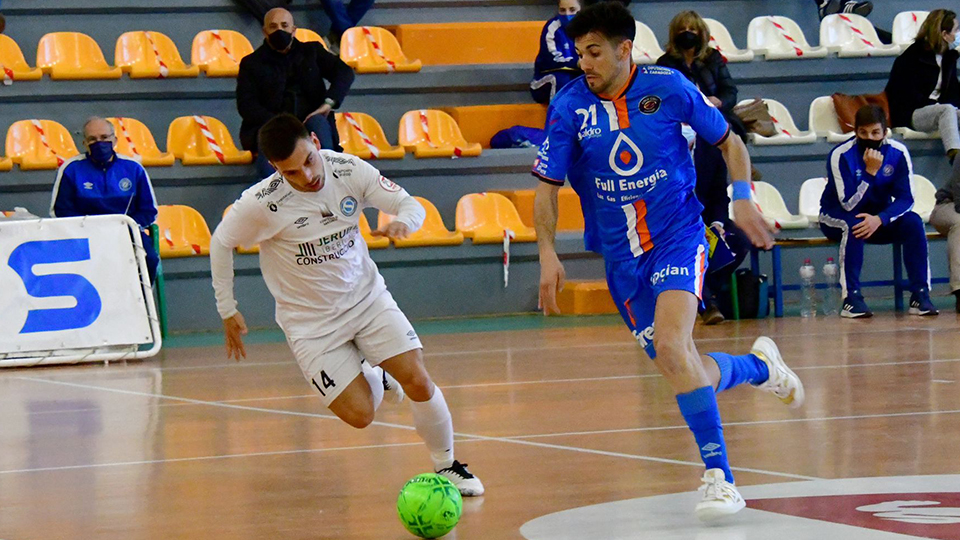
(104, 182)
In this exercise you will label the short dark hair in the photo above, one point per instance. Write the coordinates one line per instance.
(610, 18)
(587, 3)
(278, 138)
(869, 115)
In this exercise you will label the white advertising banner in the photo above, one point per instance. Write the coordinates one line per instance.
(73, 284)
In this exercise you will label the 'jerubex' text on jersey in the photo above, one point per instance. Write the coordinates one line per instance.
(628, 160)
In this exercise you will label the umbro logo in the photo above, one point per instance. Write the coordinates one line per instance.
(302, 222)
(710, 450)
(412, 335)
(88, 185)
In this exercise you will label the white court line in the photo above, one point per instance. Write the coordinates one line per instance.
(411, 428)
(731, 424)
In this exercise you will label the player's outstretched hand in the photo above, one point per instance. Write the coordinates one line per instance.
(394, 230)
(552, 276)
(234, 329)
(751, 222)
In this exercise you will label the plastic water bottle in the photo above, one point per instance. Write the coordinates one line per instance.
(831, 274)
(808, 274)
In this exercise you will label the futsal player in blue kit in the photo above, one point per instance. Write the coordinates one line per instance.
(615, 135)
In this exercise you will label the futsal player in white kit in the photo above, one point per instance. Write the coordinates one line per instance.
(352, 342)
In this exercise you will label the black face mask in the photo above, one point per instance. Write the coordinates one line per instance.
(279, 40)
(869, 144)
(688, 40)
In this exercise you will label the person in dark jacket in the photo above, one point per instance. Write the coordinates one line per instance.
(688, 52)
(868, 200)
(104, 182)
(923, 90)
(557, 62)
(285, 75)
(946, 219)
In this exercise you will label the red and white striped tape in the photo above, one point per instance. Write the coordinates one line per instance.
(716, 45)
(205, 130)
(164, 70)
(775, 223)
(168, 236)
(126, 136)
(391, 65)
(363, 136)
(856, 31)
(43, 140)
(779, 126)
(783, 32)
(425, 125)
(216, 35)
(7, 75)
(508, 235)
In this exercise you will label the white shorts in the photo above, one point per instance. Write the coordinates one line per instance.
(332, 362)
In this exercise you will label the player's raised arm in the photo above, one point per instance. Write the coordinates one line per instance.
(552, 274)
(239, 227)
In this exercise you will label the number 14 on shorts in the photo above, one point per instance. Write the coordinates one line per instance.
(326, 381)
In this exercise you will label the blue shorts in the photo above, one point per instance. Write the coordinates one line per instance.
(636, 283)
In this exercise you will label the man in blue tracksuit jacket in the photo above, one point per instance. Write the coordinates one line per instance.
(868, 200)
(557, 62)
(104, 182)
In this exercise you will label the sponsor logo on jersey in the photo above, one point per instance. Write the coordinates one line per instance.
(337, 173)
(283, 199)
(888, 170)
(337, 160)
(666, 272)
(88, 185)
(272, 206)
(125, 184)
(327, 248)
(656, 70)
(625, 158)
(623, 184)
(301, 222)
(348, 206)
(644, 337)
(274, 184)
(388, 185)
(589, 133)
(650, 104)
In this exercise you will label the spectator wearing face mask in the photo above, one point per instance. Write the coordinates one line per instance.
(688, 52)
(285, 75)
(867, 201)
(557, 62)
(104, 182)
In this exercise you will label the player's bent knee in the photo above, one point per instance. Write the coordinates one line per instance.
(360, 419)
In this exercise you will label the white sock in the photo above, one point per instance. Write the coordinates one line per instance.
(374, 376)
(435, 427)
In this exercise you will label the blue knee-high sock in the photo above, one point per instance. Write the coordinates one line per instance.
(699, 409)
(736, 370)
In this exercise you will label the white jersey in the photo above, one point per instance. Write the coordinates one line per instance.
(312, 256)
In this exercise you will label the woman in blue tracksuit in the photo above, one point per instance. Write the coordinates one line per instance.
(556, 63)
(868, 201)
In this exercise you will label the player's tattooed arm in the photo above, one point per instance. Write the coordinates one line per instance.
(552, 274)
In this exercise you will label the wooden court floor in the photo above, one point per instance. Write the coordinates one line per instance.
(191, 446)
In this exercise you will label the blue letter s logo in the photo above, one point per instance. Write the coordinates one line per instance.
(30, 254)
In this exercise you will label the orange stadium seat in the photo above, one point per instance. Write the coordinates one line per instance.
(305, 35)
(218, 52)
(11, 57)
(352, 137)
(187, 141)
(570, 217)
(140, 54)
(484, 217)
(39, 144)
(135, 140)
(72, 55)
(241, 249)
(482, 122)
(471, 42)
(373, 242)
(433, 232)
(183, 232)
(443, 140)
(587, 297)
(369, 49)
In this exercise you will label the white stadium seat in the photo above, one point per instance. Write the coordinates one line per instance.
(646, 50)
(787, 130)
(771, 205)
(780, 38)
(853, 36)
(810, 193)
(823, 120)
(924, 196)
(906, 25)
(721, 41)
(914, 135)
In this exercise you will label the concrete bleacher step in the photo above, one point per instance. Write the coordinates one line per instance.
(586, 297)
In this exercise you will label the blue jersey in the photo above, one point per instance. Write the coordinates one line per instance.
(86, 188)
(626, 157)
(851, 190)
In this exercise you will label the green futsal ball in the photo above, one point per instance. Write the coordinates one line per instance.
(429, 505)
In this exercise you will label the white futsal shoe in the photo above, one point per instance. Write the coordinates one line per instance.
(392, 391)
(720, 498)
(468, 484)
(783, 382)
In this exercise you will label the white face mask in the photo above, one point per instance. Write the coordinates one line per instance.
(956, 41)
